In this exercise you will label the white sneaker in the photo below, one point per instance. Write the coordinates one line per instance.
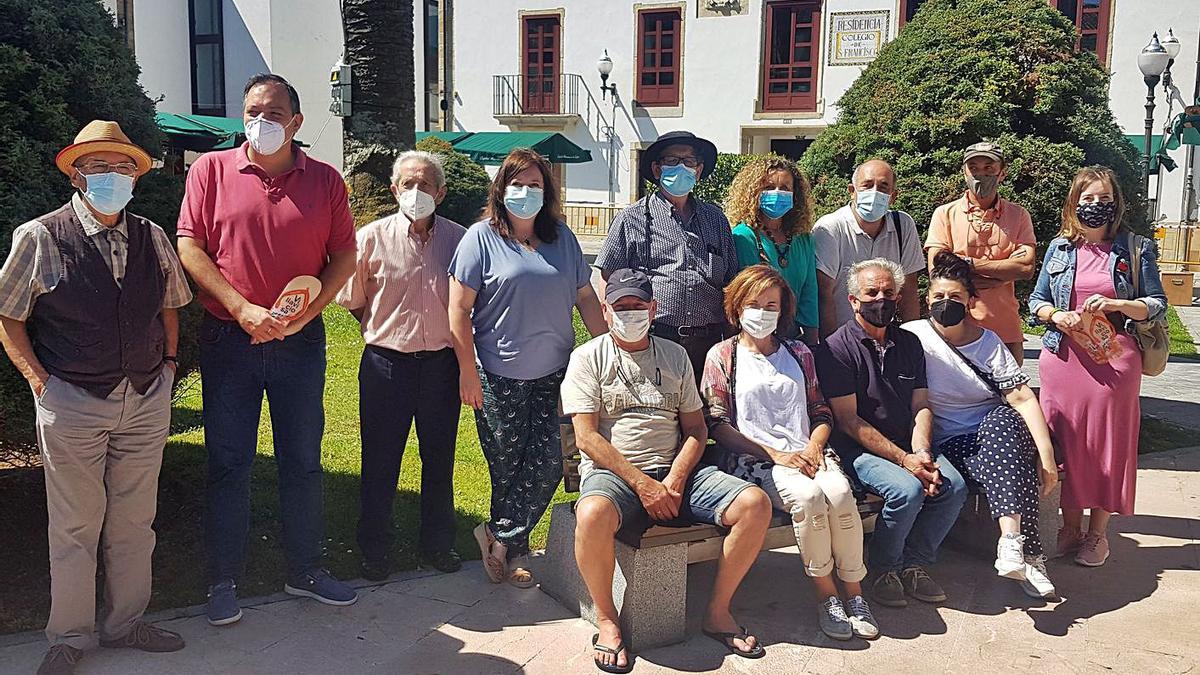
(1036, 583)
(1010, 558)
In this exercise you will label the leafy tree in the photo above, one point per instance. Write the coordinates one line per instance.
(969, 70)
(466, 182)
(65, 64)
(379, 42)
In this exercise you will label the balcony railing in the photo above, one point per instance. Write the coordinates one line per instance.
(564, 95)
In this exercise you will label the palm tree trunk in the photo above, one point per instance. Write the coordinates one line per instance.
(379, 45)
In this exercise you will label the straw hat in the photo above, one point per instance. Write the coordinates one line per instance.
(101, 136)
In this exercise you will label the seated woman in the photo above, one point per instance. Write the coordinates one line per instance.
(987, 421)
(771, 421)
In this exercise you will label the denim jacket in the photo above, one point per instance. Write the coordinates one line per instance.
(1057, 279)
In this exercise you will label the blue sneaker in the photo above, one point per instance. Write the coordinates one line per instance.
(320, 585)
(223, 607)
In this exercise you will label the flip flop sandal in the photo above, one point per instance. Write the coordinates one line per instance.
(493, 566)
(727, 639)
(615, 651)
(520, 577)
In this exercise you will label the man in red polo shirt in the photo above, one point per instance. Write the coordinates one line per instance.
(252, 219)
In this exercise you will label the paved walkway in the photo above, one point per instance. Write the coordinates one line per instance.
(1134, 615)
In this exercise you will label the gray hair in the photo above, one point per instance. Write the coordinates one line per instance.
(430, 159)
(891, 266)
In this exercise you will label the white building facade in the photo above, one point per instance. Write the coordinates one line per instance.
(751, 75)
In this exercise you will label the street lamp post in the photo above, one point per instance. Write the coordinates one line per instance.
(605, 66)
(1152, 61)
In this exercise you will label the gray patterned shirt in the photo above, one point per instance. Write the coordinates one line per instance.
(34, 265)
(689, 262)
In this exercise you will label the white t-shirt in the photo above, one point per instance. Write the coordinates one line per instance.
(958, 398)
(772, 406)
(639, 396)
(840, 243)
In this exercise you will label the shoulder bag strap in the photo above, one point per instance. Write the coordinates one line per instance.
(899, 236)
(1136, 254)
(986, 378)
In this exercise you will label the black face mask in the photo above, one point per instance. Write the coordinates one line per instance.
(1096, 214)
(948, 312)
(878, 313)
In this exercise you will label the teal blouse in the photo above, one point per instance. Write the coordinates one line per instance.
(800, 273)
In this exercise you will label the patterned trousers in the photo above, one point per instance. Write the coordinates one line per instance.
(518, 432)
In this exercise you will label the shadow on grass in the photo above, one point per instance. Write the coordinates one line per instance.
(180, 556)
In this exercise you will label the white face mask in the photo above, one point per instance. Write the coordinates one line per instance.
(631, 325)
(759, 322)
(265, 136)
(415, 204)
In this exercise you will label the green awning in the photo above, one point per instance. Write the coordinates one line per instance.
(450, 137)
(1138, 141)
(491, 147)
(1185, 129)
(201, 132)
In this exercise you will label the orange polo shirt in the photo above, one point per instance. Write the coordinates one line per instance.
(986, 234)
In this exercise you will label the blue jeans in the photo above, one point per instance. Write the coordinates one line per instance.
(234, 375)
(911, 526)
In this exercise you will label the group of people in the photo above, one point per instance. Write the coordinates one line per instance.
(777, 339)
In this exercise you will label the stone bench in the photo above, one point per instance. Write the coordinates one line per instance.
(976, 532)
(650, 579)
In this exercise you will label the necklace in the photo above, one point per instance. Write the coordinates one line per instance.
(628, 381)
(781, 251)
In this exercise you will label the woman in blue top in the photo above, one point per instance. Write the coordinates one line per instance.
(514, 279)
(771, 202)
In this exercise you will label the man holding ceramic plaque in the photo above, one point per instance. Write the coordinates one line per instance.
(256, 225)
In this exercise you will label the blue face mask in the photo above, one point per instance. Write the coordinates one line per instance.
(108, 193)
(677, 180)
(775, 203)
(524, 201)
(871, 204)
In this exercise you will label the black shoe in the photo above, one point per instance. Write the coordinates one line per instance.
(443, 561)
(375, 570)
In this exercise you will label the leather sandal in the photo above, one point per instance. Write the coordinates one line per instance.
(492, 566)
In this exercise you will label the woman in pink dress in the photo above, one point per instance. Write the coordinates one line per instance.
(1093, 408)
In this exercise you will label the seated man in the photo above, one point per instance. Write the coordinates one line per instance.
(638, 420)
(873, 373)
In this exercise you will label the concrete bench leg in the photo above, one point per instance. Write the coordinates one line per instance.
(649, 585)
(976, 531)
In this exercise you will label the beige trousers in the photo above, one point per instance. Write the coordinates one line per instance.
(824, 517)
(102, 458)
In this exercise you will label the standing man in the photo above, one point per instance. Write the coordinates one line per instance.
(400, 293)
(252, 219)
(683, 244)
(88, 301)
(866, 228)
(873, 372)
(995, 236)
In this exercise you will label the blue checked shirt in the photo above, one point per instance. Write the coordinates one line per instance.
(689, 262)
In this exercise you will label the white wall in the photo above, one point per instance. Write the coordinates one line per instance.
(161, 43)
(1132, 28)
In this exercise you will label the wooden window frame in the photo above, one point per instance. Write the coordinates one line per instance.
(218, 39)
(1103, 12)
(787, 102)
(658, 95)
(902, 12)
(532, 104)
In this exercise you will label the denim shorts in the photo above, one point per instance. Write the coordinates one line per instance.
(708, 492)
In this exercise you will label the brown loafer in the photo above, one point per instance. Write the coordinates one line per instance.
(60, 660)
(147, 638)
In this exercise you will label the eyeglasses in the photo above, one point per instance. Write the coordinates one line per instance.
(99, 166)
(689, 162)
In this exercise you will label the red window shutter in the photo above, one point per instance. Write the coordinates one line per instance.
(539, 65)
(659, 48)
(792, 58)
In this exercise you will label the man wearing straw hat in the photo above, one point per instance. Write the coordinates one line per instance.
(88, 300)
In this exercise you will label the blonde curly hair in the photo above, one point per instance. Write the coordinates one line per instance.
(741, 206)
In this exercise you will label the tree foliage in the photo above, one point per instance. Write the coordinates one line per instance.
(466, 182)
(968, 70)
(65, 64)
